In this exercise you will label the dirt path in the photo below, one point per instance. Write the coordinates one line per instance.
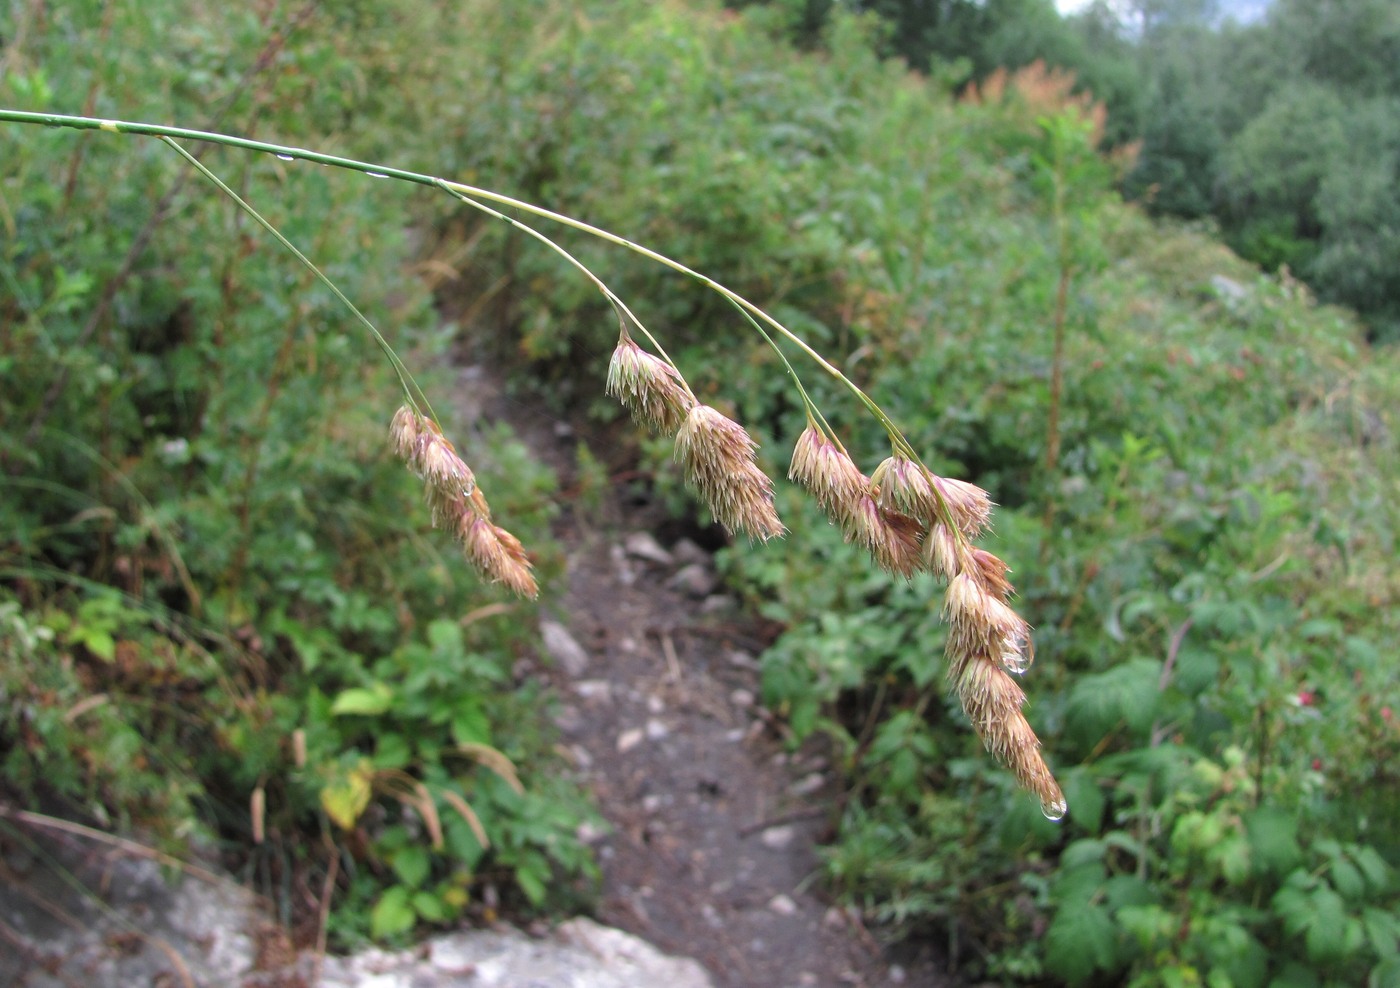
(714, 826)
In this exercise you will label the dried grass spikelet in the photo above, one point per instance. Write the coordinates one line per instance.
(822, 467)
(718, 457)
(850, 500)
(986, 640)
(456, 503)
(909, 488)
(497, 553)
(970, 505)
(648, 387)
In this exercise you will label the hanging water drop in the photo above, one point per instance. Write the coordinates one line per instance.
(286, 157)
(1017, 654)
(1054, 809)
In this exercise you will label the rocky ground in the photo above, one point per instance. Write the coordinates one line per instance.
(715, 824)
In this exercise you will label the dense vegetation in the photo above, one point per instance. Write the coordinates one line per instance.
(1282, 129)
(206, 552)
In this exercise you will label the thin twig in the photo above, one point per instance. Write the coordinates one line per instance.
(668, 649)
(806, 813)
(324, 912)
(128, 846)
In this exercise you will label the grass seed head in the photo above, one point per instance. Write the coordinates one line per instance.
(969, 505)
(906, 487)
(497, 554)
(648, 387)
(404, 431)
(892, 539)
(829, 474)
(717, 455)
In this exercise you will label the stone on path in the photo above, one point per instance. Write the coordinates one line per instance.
(563, 648)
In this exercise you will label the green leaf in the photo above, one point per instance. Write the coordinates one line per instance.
(1126, 694)
(361, 701)
(1082, 791)
(391, 751)
(1346, 879)
(1081, 940)
(531, 884)
(1372, 865)
(1083, 852)
(1273, 840)
(1149, 925)
(393, 914)
(99, 643)
(429, 906)
(412, 864)
(1383, 930)
(470, 725)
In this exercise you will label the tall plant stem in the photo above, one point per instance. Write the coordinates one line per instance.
(287, 152)
(1057, 361)
(471, 193)
(405, 378)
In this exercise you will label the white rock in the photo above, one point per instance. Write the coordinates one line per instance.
(629, 739)
(687, 552)
(695, 580)
(778, 838)
(594, 689)
(656, 730)
(643, 545)
(563, 648)
(782, 905)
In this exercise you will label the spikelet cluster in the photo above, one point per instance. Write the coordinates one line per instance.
(649, 388)
(717, 455)
(906, 517)
(853, 503)
(988, 641)
(910, 519)
(458, 505)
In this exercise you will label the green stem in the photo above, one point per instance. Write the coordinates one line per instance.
(287, 152)
(405, 378)
(468, 193)
(626, 314)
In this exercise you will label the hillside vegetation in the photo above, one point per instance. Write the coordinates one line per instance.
(217, 590)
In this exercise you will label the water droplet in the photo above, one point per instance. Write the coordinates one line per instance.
(376, 175)
(1016, 654)
(1055, 809)
(468, 488)
(286, 157)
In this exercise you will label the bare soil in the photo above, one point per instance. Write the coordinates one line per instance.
(715, 823)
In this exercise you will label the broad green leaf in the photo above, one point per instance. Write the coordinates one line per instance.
(412, 865)
(1346, 879)
(364, 701)
(430, 906)
(393, 914)
(1081, 941)
(1273, 841)
(99, 643)
(1383, 930)
(531, 884)
(391, 751)
(1149, 925)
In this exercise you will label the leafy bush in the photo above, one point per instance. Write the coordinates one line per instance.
(223, 614)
